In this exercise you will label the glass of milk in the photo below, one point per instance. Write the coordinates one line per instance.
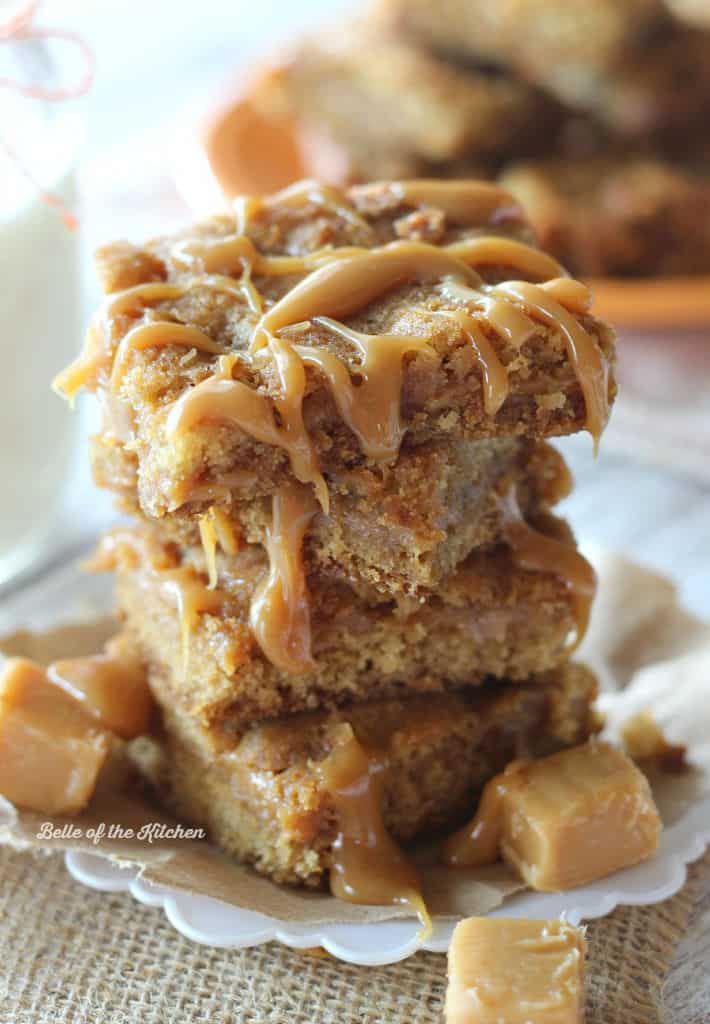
(40, 316)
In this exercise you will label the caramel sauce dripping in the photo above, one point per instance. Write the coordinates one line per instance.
(208, 539)
(367, 867)
(133, 548)
(346, 285)
(370, 409)
(493, 373)
(538, 553)
(158, 335)
(245, 208)
(468, 203)
(215, 528)
(589, 365)
(280, 612)
(221, 399)
(492, 250)
(477, 844)
(233, 253)
(572, 294)
(191, 597)
(95, 358)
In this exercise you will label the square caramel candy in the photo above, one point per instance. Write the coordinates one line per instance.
(576, 816)
(505, 971)
(50, 750)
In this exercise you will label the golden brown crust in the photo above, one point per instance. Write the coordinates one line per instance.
(265, 802)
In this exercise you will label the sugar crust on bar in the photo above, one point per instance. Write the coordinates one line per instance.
(264, 800)
(442, 394)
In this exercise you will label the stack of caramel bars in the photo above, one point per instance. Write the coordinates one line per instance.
(328, 414)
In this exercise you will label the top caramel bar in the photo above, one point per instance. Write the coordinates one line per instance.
(317, 329)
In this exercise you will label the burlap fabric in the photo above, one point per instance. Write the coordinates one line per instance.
(72, 956)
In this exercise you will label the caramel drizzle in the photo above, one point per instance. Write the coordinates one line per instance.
(468, 203)
(132, 548)
(494, 251)
(370, 409)
(590, 367)
(191, 597)
(323, 196)
(159, 335)
(208, 539)
(95, 358)
(477, 843)
(221, 399)
(538, 553)
(100, 350)
(367, 866)
(280, 610)
(216, 528)
(493, 373)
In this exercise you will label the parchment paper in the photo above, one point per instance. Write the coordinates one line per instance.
(647, 650)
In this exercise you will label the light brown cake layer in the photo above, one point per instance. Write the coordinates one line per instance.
(490, 618)
(449, 382)
(623, 216)
(399, 528)
(265, 801)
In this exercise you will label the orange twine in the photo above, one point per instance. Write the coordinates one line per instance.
(19, 29)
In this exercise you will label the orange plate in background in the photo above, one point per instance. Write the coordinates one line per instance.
(239, 150)
(657, 303)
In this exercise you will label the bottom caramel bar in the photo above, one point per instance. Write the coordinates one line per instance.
(269, 798)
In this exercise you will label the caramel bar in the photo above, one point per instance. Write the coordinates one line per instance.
(278, 799)
(315, 330)
(269, 640)
(515, 972)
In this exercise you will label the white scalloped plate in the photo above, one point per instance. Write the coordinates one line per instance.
(214, 923)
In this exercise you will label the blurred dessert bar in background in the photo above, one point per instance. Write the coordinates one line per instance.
(617, 215)
(605, 105)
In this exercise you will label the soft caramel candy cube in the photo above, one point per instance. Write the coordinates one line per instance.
(50, 751)
(579, 815)
(111, 688)
(505, 971)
